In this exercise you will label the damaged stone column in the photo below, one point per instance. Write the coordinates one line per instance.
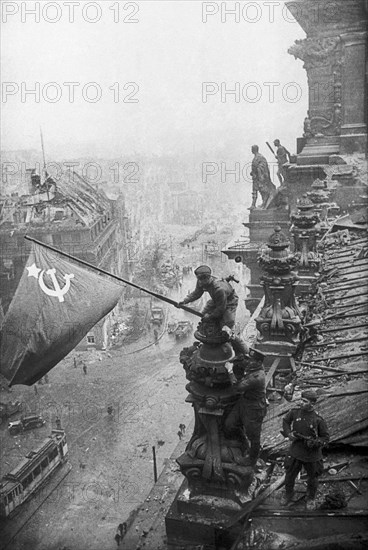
(305, 232)
(279, 320)
(320, 196)
(217, 477)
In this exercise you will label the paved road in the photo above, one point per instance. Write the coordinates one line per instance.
(111, 455)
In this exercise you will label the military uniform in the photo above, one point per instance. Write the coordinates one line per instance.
(302, 452)
(250, 409)
(223, 303)
(282, 158)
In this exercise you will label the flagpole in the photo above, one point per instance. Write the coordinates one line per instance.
(120, 279)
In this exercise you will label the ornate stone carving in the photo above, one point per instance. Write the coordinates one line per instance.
(315, 51)
(305, 233)
(279, 319)
(321, 199)
(319, 194)
(212, 463)
(323, 60)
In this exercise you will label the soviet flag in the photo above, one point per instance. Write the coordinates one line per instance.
(56, 304)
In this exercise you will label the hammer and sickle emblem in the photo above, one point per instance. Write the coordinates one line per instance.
(58, 292)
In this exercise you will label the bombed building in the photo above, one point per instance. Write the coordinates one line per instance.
(67, 213)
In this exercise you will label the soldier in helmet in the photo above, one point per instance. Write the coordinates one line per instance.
(224, 300)
(308, 433)
(248, 377)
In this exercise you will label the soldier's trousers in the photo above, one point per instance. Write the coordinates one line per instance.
(251, 420)
(313, 469)
(228, 317)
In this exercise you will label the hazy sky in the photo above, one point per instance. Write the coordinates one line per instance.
(167, 54)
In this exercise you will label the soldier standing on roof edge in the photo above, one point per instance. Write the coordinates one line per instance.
(248, 377)
(222, 306)
(283, 157)
(308, 433)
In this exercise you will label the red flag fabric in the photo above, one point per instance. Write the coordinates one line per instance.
(56, 303)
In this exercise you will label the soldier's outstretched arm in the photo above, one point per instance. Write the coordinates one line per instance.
(193, 296)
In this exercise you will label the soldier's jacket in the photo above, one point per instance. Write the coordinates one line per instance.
(307, 423)
(282, 155)
(253, 388)
(221, 292)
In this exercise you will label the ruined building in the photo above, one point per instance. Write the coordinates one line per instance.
(67, 213)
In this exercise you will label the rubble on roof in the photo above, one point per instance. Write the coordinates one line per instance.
(68, 201)
(334, 358)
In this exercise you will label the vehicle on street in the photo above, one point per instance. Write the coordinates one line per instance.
(19, 484)
(26, 423)
(183, 329)
(7, 409)
(212, 248)
(171, 326)
(157, 315)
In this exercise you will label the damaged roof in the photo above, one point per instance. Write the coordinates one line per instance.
(335, 361)
(69, 200)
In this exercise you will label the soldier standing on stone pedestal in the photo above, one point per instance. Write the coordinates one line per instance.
(248, 376)
(222, 306)
(224, 300)
(282, 157)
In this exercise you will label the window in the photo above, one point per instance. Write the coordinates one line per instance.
(44, 463)
(27, 480)
(90, 339)
(53, 454)
(37, 471)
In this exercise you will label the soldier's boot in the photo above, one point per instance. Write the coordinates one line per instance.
(239, 345)
(311, 494)
(287, 498)
(311, 504)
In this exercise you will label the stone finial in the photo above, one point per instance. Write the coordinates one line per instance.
(278, 240)
(305, 204)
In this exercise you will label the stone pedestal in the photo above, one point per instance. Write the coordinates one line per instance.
(278, 322)
(300, 179)
(262, 222)
(318, 150)
(305, 232)
(199, 520)
(215, 464)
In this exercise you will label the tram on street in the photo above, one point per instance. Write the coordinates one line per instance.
(38, 465)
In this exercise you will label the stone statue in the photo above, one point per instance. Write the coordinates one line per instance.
(307, 127)
(261, 179)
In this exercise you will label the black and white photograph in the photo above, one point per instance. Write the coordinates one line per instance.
(183, 275)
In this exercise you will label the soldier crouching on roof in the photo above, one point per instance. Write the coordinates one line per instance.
(221, 308)
(308, 433)
(249, 379)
